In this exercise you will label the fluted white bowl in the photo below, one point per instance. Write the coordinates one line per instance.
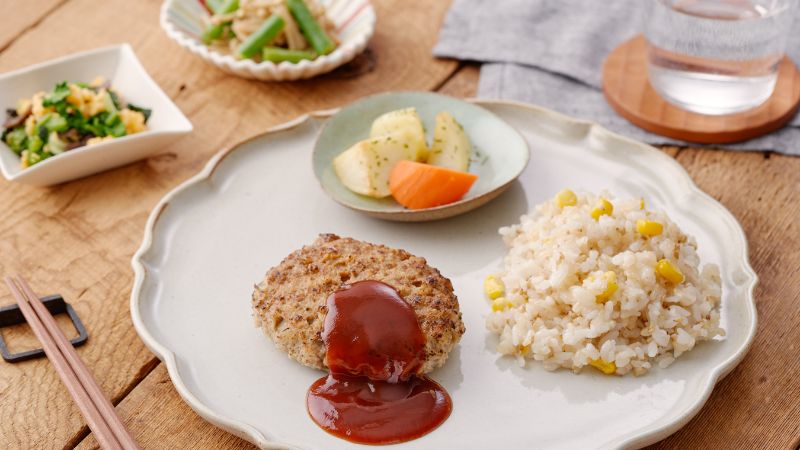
(354, 21)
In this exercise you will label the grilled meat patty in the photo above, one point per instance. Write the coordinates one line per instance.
(289, 304)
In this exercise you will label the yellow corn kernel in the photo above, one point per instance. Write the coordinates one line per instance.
(649, 227)
(566, 198)
(501, 303)
(641, 203)
(669, 272)
(603, 208)
(493, 287)
(607, 368)
(611, 286)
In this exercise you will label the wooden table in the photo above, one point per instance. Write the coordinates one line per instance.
(78, 238)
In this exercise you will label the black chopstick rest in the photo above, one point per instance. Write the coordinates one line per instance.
(11, 315)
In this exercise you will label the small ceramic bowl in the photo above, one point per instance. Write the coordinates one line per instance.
(182, 20)
(119, 66)
(500, 153)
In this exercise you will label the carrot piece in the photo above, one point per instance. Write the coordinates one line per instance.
(417, 185)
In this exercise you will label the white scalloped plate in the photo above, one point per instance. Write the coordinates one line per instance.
(212, 238)
(354, 20)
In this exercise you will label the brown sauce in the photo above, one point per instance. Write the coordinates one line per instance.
(374, 349)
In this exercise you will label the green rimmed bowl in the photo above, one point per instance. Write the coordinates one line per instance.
(500, 153)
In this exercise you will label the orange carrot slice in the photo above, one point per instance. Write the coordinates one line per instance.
(417, 185)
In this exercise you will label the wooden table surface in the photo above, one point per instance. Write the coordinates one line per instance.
(77, 239)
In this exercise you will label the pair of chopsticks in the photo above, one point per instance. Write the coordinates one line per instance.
(100, 414)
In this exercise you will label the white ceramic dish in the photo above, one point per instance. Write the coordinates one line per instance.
(212, 238)
(182, 20)
(120, 66)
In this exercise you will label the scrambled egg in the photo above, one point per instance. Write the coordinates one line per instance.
(37, 109)
(133, 120)
(97, 140)
(86, 100)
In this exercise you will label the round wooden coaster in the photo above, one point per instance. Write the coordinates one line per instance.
(627, 89)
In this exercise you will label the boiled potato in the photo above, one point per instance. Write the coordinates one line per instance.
(406, 126)
(365, 167)
(352, 168)
(451, 147)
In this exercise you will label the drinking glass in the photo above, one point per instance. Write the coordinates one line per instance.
(716, 56)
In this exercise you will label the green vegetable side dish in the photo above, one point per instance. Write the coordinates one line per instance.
(69, 116)
(283, 31)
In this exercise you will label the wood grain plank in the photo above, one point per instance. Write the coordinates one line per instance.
(78, 238)
(463, 83)
(19, 16)
(159, 418)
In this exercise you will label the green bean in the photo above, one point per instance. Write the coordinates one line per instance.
(276, 55)
(261, 37)
(215, 5)
(311, 29)
(214, 31)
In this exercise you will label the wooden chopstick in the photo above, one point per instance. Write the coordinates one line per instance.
(84, 375)
(100, 414)
(105, 437)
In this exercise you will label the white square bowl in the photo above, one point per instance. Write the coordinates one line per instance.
(119, 65)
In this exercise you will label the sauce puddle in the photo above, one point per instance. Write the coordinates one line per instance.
(374, 349)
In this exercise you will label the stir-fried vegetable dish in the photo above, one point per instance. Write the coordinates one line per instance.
(69, 116)
(270, 30)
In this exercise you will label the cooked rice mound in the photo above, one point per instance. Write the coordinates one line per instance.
(581, 290)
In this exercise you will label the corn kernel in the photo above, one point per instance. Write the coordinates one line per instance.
(611, 287)
(669, 272)
(603, 208)
(501, 303)
(649, 227)
(566, 198)
(641, 203)
(607, 368)
(493, 287)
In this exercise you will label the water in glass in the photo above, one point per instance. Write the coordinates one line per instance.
(716, 56)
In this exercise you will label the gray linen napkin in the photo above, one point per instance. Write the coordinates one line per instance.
(550, 53)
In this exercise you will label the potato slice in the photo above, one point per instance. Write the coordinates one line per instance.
(365, 167)
(451, 147)
(406, 125)
(353, 169)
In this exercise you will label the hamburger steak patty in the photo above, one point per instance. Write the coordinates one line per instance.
(289, 305)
